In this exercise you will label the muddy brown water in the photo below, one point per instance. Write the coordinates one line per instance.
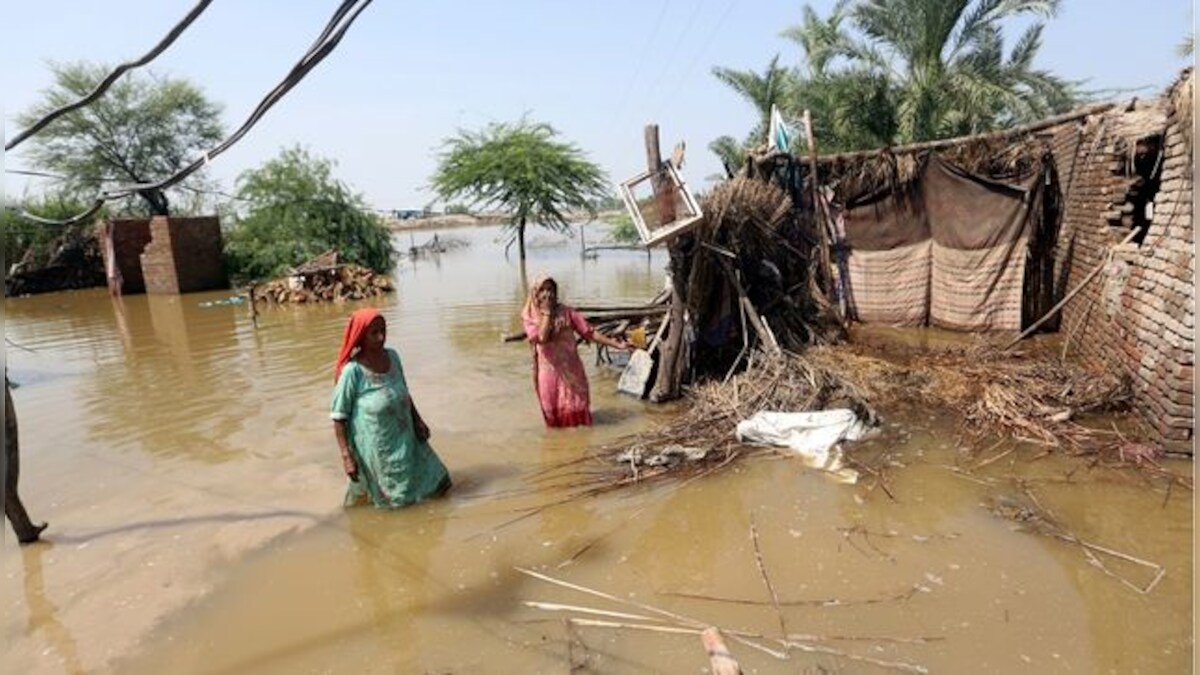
(186, 463)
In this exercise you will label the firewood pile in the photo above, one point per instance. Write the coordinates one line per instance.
(337, 283)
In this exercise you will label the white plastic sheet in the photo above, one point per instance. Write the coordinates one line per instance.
(816, 437)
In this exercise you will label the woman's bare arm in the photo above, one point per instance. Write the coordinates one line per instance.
(343, 441)
(615, 343)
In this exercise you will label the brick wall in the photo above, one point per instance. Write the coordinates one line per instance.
(1138, 313)
(130, 236)
(184, 255)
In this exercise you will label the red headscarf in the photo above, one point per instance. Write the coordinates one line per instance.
(355, 328)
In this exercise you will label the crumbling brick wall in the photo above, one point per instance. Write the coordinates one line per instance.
(1138, 314)
(130, 237)
(184, 255)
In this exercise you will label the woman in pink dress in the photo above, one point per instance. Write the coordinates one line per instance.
(558, 375)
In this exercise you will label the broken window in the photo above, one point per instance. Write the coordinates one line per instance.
(660, 204)
(1143, 166)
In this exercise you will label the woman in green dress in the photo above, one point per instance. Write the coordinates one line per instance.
(382, 438)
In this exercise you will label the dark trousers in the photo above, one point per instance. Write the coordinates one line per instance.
(14, 510)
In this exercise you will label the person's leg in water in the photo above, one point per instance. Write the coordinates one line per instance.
(27, 531)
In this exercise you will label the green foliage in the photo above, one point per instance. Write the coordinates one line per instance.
(772, 87)
(457, 209)
(24, 237)
(954, 77)
(623, 230)
(296, 211)
(143, 129)
(889, 72)
(521, 168)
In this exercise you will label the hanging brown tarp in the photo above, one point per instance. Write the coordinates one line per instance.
(889, 261)
(981, 231)
(947, 249)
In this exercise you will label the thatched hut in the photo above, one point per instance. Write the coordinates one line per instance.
(1079, 224)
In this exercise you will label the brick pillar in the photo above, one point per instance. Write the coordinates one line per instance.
(184, 255)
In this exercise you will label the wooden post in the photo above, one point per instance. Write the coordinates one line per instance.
(668, 381)
(664, 193)
(253, 305)
(822, 230)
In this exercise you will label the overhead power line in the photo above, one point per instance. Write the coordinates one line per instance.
(112, 77)
(323, 46)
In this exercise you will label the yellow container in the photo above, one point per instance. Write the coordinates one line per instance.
(637, 337)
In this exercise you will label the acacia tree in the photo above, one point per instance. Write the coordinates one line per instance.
(143, 129)
(521, 168)
(296, 210)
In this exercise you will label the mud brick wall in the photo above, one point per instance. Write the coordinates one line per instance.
(184, 255)
(1138, 316)
(130, 237)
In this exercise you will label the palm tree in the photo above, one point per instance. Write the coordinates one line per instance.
(822, 40)
(729, 151)
(762, 91)
(950, 71)
(842, 81)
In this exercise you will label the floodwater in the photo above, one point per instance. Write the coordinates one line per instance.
(187, 466)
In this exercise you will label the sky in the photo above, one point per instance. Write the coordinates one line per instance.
(409, 74)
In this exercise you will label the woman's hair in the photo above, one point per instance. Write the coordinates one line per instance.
(531, 299)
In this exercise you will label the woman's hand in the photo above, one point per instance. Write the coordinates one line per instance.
(619, 343)
(350, 466)
(419, 427)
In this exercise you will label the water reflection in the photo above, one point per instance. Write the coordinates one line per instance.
(169, 394)
(393, 574)
(44, 614)
(184, 386)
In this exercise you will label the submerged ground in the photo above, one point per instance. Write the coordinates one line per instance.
(186, 463)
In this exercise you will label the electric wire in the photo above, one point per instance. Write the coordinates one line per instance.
(330, 37)
(112, 77)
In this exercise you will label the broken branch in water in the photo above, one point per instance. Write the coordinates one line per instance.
(686, 621)
(1035, 518)
(762, 571)
(827, 602)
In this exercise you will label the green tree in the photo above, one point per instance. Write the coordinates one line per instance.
(296, 210)
(143, 129)
(521, 168)
(729, 151)
(26, 241)
(762, 91)
(888, 72)
(841, 83)
(952, 74)
(774, 86)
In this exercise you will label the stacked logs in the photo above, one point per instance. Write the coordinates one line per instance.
(329, 284)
